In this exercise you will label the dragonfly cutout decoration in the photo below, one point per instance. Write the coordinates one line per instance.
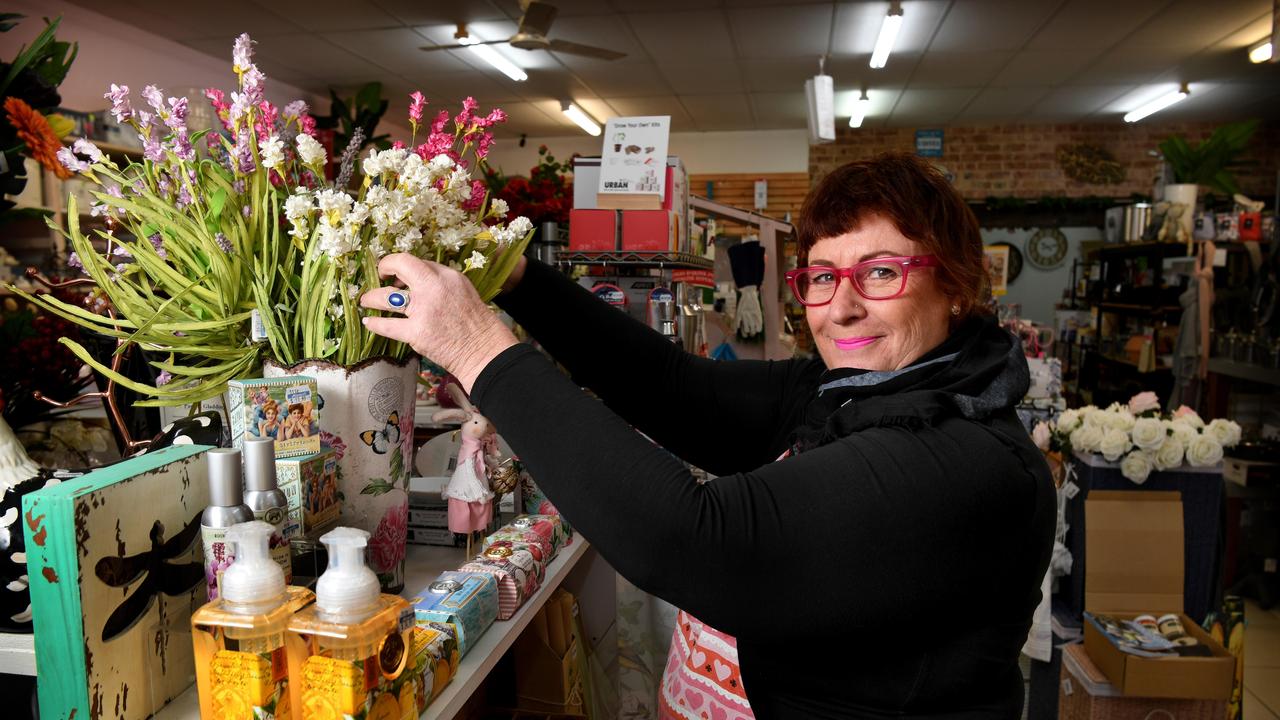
(161, 576)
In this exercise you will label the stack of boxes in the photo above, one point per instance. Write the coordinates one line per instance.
(599, 223)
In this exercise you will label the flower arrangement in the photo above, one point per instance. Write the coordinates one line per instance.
(222, 248)
(29, 94)
(545, 196)
(1139, 436)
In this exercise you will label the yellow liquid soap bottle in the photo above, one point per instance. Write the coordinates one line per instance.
(353, 647)
(242, 667)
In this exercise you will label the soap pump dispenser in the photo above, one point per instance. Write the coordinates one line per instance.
(242, 668)
(354, 645)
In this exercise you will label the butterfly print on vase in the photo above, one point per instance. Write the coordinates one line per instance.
(383, 440)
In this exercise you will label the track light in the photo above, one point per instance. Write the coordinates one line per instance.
(860, 109)
(491, 56)
(1158, 104)
(1261, 52)
(888, 34)
(581, 118)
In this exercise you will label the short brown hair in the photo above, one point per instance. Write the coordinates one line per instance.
(919, 200)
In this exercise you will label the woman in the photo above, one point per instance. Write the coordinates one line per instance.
(889, 565)
(269, 425)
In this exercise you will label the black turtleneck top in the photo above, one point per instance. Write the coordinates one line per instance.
(888, 568)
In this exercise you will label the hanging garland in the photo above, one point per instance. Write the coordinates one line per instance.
(1090, 164)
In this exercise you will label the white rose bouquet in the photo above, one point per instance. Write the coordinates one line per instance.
(1139, 437)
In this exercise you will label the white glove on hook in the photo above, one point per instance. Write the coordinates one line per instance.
(750, 316)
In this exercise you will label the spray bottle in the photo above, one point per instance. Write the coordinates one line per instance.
(226, 508)
(265, 498)
(241, 664)
(353, 646)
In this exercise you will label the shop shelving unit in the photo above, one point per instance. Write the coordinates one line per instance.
(627, 258)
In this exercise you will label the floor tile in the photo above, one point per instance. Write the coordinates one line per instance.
(1254, 709)
(1264, 683)
(1257, 617)
(1261, 646)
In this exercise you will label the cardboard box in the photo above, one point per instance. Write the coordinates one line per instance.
(429, 518)
(1085, 694)
(586, 179)
(115, 568)
(286, 409)
(594, 230)
(549, 659)
(651, 231)
(311, 485)
(1133, 540)
(443, 537)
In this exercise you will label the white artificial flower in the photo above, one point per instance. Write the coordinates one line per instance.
(1115, 442)
(1087, 438)
(1067, 421)
(334, 205)
(1183, 430)
(520, 226)
(358, 214)
(353, 291)
(498, 207)
(1121, 420)
(1149, 433)
(1188, 416)
(1136, 466)
(1170, 454)
(373, 165)
(452, 238)
(1226, 432)
(88, 149)
(272, 152)
(335, 241)
(407, 241)
(441, 164)
(310, 150)
(1204, 451)
(476, 261)
(297, 206)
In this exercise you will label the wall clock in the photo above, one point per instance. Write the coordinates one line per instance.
(1047, 248)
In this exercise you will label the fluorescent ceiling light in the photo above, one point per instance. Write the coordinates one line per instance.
(820, 105)
(1261, 52)
(491, 56)
(583, 120)
(888, 33)
(860, 109)
(1158, 104)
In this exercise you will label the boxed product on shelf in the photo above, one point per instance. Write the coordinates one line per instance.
(594, 230)
(311, 485)
(443, 537)
(468, 602)
(1134, 546)
(286, 409)
(115, 571)
(517, 576)
(436, 648)
(652, 231)
(586, 181)
(550, 528)
(549, 661)
(429, 517)
(1085, 694)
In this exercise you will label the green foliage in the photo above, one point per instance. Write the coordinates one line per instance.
(47, 58)
(363, 111)
(1208, 163)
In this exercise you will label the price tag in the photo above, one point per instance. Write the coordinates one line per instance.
(407, 619)
(1070, 489)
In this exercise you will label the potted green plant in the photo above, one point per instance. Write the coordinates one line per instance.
(1206, 164)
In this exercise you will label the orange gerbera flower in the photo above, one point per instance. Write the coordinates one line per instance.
(33, 129)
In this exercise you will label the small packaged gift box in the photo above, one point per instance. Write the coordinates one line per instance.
(285, 409)
(437, 645)
(311, 485)
(468, 601)
(516, 573)
(116, 572)
(551, 528)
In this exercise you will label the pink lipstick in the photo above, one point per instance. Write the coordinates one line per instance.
(854, 343)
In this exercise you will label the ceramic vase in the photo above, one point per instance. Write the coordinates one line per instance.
(367, 418)
(1184, 194)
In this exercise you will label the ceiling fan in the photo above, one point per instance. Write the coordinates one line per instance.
(532, 35)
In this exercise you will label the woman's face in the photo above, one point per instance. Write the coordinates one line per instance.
(853, 332)
(271, 416)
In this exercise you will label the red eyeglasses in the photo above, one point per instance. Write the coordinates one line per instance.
(882, 278)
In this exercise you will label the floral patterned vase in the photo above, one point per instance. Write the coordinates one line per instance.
(367, 418)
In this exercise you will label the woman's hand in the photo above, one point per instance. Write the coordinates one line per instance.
(445, 320)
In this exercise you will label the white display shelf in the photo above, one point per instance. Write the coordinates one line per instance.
(18, 653)
(422, 565)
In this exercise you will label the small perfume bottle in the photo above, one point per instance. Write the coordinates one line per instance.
(265, 499)
(353, 647)
(242, 670)
(226, 508)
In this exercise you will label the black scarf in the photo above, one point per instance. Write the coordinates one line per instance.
(978, 370)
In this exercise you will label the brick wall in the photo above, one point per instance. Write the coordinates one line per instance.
(1020, 160)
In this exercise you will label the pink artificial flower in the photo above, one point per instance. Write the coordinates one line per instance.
(266, 121)
(307, 125)
(467, 116)
(442, 119)
(496, 115)
(483, 144)
(1184, 411)
(417, 103)
(218, 100)
(477, 197)
(397, 145)
(1144, 402)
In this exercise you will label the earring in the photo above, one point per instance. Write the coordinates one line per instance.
(955, 309)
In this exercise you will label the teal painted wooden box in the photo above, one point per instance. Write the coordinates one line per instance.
(115, 568)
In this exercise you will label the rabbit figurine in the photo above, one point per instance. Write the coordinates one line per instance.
(468, 493)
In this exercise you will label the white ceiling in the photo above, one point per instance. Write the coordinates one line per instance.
(741, 64)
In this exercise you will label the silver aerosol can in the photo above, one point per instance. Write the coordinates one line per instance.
(265, 498)
(226, 508)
